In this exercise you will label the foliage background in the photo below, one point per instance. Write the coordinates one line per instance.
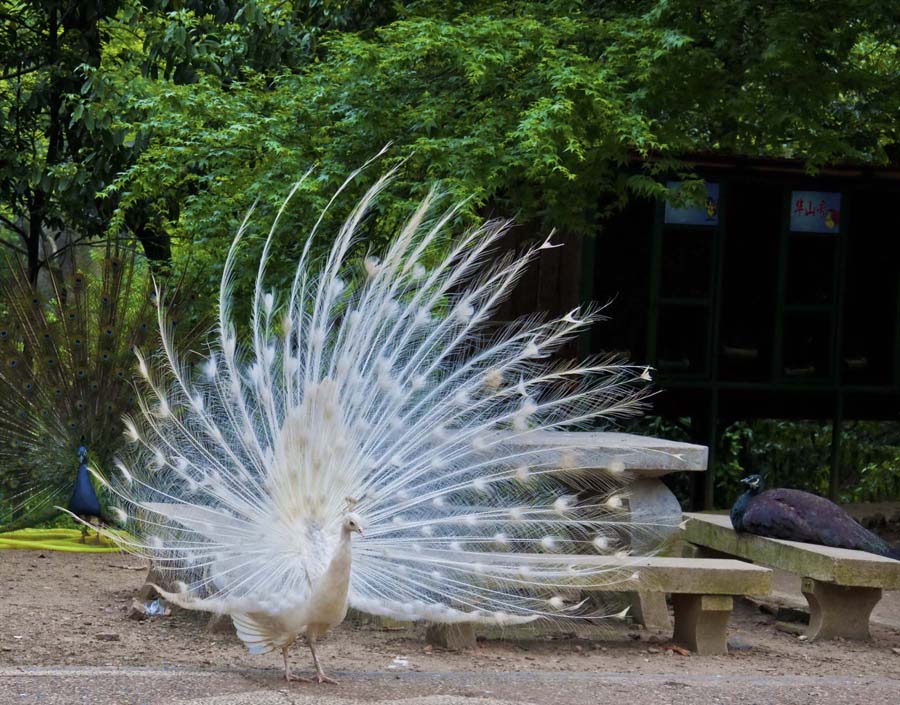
(164, 120)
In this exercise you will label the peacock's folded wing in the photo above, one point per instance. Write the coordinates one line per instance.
(801, 516)
(778, 517)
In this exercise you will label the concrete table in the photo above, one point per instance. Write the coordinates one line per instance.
(643, 459)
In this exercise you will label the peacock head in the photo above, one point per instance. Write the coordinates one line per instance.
(754, 482)
(352, 523)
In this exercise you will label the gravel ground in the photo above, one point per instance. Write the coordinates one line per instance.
(65, 638)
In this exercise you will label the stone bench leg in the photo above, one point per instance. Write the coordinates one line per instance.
(455, 637)
(839, 611)
(650, 609)
(701, 622)
(219, 624)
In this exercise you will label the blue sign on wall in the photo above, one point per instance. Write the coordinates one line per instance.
(706, 214)
(815, 212)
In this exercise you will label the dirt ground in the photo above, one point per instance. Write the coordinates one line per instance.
(70, 610)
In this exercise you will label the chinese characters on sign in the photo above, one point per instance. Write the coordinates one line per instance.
(705, 214)
(815, 212)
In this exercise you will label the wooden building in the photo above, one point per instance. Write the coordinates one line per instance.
(778, 298)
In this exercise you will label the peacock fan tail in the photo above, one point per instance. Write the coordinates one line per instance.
(66, 369)
(371, 386)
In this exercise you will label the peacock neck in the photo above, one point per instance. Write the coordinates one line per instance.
(740, 506)
(336, 579)
(342, 554)
(83, 485)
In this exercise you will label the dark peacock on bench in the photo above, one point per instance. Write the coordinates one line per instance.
(795, 515)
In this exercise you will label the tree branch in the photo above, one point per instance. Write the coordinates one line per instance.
(22, 72)
(12, 226)
(65, 248)
(17, 250)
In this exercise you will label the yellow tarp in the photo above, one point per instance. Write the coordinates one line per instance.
(56, 540)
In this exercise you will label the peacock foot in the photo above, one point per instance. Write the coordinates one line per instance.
(322, 678)
(298, 679)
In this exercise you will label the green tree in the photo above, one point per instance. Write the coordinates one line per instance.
(553, 111)
(64, 130)
(46, 176)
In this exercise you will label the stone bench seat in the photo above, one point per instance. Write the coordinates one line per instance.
(841, 586)
(701, 590)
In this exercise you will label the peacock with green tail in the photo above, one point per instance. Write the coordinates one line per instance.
(67, 351)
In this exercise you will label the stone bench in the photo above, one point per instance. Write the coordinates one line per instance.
(841, 586)
(701, 590)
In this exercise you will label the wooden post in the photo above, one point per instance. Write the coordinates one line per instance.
(712, 442)
(837, 423)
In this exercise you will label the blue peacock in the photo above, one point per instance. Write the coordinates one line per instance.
(67, 346)
(84, 502)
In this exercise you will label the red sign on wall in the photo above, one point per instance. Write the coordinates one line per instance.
(815, 212)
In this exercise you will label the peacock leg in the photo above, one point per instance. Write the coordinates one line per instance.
(320, 674)
(287, 668)
(84, 533)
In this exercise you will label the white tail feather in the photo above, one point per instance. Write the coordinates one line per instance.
(377, 385)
